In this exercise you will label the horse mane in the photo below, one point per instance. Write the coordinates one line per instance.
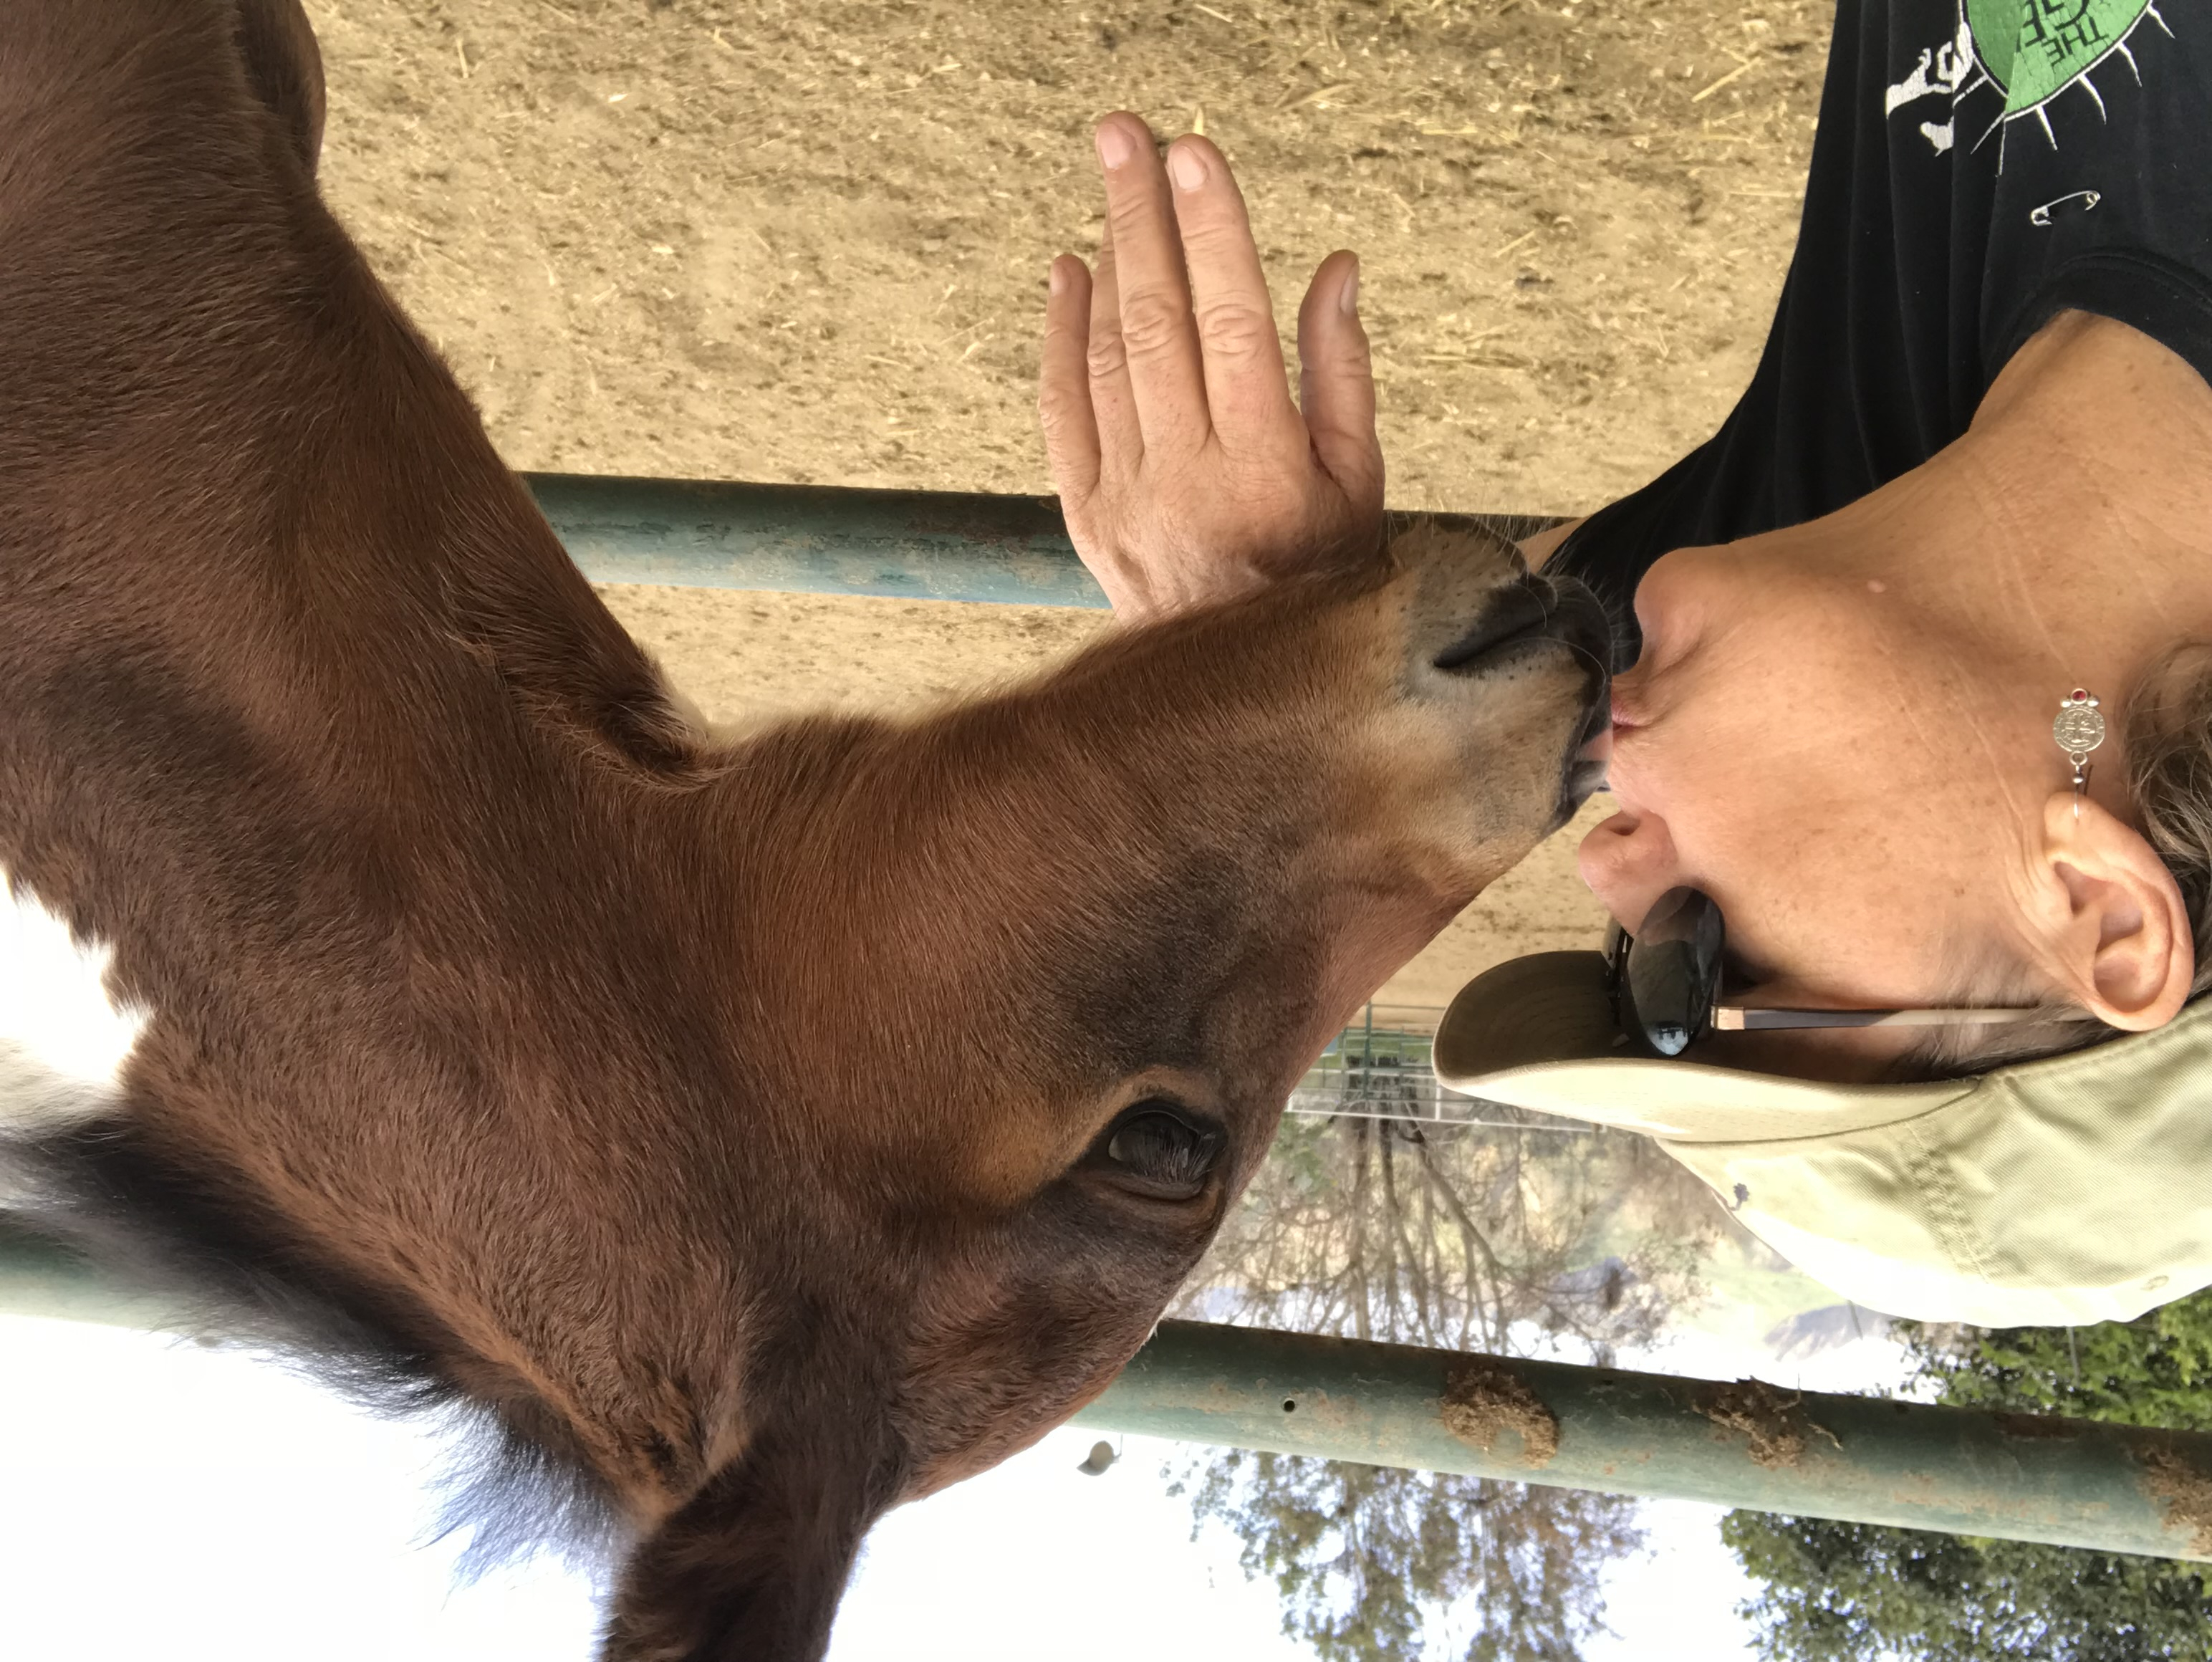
(211, 1270)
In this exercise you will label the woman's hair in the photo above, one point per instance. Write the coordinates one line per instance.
(2168, 759)
(2169, 762)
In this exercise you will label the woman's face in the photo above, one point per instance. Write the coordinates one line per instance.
(1841, 731)
(1798, 741)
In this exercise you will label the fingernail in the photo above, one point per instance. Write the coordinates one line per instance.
(1115, 147)
(1185, 167)
(1347, 297)
(1055, 278)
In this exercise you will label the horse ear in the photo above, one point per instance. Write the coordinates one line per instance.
(750, 1570)
(285, 66)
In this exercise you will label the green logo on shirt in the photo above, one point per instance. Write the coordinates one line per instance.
(2029, 52)
(2033, 49)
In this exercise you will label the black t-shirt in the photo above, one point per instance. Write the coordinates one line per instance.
(1980, 165)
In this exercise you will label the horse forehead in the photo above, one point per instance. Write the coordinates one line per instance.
(65, 1035)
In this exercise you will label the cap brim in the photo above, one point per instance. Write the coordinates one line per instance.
(1546, 1006)
(1539, 1033)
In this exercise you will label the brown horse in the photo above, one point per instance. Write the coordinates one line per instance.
(753, 1135)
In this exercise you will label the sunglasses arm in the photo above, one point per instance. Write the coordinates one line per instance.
(1742, 1019)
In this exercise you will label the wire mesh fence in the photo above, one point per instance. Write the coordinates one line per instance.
(1382, 1067)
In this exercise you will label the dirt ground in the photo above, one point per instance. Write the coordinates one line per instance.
(807, 242)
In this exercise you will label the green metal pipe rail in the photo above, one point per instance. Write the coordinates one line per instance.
(817, 539)
(1866, 1460)
(812, 540)
(1744, 1444)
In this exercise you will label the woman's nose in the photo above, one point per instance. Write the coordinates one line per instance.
(1629, 862)
(1673, 600)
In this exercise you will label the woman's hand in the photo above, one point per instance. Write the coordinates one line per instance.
(1187, 474)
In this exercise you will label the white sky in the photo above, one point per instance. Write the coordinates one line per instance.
(163, 1500)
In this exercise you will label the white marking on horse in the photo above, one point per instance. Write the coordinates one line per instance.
(64, 1036)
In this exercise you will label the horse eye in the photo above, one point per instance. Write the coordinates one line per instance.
(1163, 1150)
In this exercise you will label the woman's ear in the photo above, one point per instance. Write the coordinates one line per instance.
(2109, 924)
(750, 1570)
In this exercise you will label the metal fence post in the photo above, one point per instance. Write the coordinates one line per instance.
(1870, 1459)
(917, 544)
(818, 540)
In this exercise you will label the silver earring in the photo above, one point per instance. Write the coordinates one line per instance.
(2079, 729)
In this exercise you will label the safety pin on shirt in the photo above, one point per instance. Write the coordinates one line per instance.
(2042, 216)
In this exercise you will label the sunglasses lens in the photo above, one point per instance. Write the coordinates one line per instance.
(1674, 970)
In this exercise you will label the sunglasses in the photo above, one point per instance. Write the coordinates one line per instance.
(1665, 983)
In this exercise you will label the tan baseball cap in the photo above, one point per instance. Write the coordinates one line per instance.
(2073, 1189)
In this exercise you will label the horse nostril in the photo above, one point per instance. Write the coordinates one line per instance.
(1536, 608)
(1515, 611)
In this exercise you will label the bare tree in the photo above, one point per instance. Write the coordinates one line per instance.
(1510, 1239)
(1513, 1240)
(1377, 1565)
